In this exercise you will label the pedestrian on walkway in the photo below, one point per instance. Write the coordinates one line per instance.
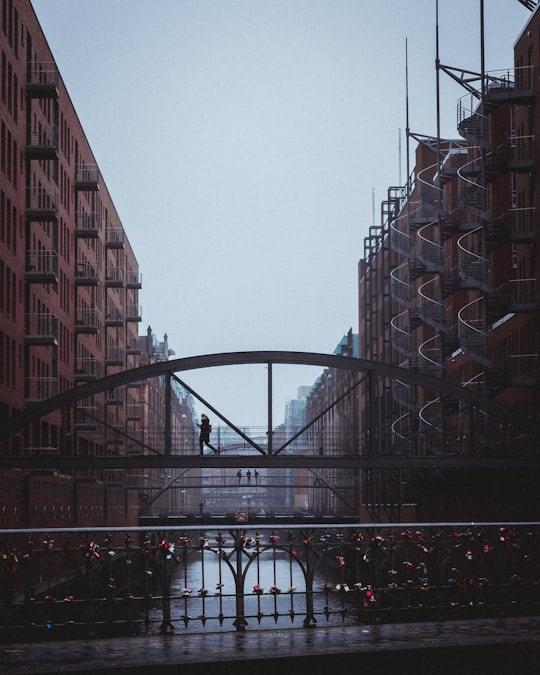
(204, 436)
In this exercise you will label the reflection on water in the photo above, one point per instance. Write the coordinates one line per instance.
(203, 594)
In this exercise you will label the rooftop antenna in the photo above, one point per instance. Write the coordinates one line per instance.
(407, 128)
(399, 151)
(482, 51)
(438, 77)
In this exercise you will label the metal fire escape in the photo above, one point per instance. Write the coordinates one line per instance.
(444, 237)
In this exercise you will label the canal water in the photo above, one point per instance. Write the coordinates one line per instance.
(203, 594)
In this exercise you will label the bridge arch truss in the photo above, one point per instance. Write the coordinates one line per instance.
(364, 373)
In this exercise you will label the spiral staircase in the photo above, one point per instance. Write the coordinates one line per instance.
(446, 285)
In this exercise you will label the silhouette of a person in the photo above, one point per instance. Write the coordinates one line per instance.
(204, 436)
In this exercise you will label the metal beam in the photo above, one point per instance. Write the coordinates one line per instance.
(270, 426)
(168, 414)
(330, 485)
(222, 417)
(234, 486)
(58, 463)
(318, 417)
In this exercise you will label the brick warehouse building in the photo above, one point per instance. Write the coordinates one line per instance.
(447, 286)
(69, 293)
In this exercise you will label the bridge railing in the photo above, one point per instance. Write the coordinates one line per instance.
(68, 583)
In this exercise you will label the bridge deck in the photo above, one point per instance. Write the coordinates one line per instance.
(498, 646)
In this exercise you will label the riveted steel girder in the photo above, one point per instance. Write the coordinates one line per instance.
(257, 461)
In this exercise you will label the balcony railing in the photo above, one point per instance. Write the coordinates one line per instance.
(86, 273)
(66, 583)
(43, 141)
(521, 150)
(85, 417)
(521, 224)
(40, 388)
(133, 279)
(41, 329)
(114, 237)
(87, 225)
(134, 313)
(114, 276)
(41, 266)
(42, 204)
(133, 347)
(87, 320)
(42, 80)
(115, 355)
(114, 316)
(87, 177)
(87, 368)
(522, 294)
(116, 396)
(520, 79)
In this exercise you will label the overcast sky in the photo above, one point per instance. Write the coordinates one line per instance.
(244, 143)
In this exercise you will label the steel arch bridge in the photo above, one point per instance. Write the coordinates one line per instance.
(269, 456)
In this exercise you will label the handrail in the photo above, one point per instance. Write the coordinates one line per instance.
(424, 419)
(400, 289)
(426, 362)
(468, 166)
(473, 265)
(430, 250)
(401, 339)
(429, 193)
(396, 423)
(431, 308)
(117, 581)
(470, 335)
(400, 241)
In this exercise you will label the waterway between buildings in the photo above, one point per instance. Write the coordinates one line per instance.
(203, 595)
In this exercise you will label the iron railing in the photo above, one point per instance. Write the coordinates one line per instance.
(66, 583)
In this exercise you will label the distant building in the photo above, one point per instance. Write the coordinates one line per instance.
(332, 411)
(163, 491)
(293, 494)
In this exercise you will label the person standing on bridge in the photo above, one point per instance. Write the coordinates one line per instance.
(204, 436)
